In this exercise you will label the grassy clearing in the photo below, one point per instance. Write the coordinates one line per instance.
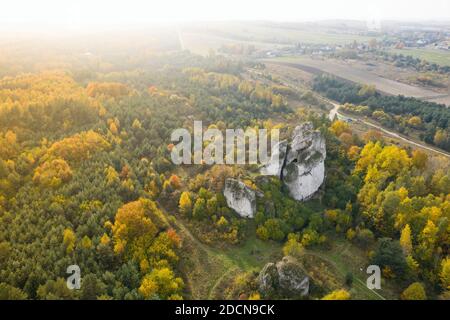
(347, 258)
(434, 56)
(208, 269)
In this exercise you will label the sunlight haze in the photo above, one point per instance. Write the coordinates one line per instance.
(135, 12)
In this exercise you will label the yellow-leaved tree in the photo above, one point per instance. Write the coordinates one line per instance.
(136, 225)
(445, 274)
(69, 240)
(78, 147)
(405, 240)
(415, 291)
(52, 173)
(185, 204)
(161, 283)
(338, 295)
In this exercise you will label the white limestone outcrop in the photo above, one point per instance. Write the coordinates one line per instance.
(286, 278)
(300, 164)
(304, 168)
(303, 162)
(240, 198)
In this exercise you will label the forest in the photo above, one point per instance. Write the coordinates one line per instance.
(86, 178)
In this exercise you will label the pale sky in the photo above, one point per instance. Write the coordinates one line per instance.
(79, 13)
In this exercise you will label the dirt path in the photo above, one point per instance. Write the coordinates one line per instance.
(361, 284)
(212, 291)
(207, 268)
(197, 261)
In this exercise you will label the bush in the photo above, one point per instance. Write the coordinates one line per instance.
(415, 291)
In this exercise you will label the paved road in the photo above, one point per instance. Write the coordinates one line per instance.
(335, 112)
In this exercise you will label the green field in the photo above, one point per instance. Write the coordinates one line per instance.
(434, 56)
(312, 37)
(282, 35)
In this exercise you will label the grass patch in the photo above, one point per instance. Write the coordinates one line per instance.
(207, 269)
(348, 258)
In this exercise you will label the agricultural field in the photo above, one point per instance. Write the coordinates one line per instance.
(299, 36)
(204, 43)
(349, 71)
(272, 33)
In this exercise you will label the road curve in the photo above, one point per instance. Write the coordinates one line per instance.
(335, 112)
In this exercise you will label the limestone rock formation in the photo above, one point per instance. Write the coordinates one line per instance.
(268, 279)
(303, 162)
(284, 278)
(304, 169)
(300, 164)
(240, 198)
(276, 162)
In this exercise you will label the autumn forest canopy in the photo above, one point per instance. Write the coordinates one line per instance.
(86, 178)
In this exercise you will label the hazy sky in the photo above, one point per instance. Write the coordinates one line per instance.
(77, 13)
